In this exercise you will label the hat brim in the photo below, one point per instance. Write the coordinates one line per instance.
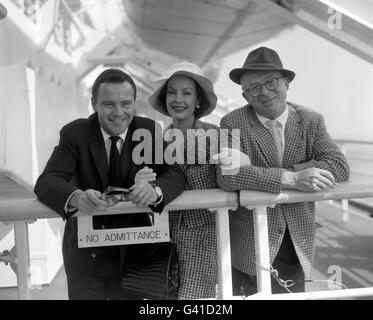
(206, 107)
(236, 74)
(3, 12)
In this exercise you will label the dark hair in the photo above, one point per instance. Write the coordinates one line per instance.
(111, 76)
(199, 92)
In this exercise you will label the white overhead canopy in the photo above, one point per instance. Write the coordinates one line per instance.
(202, 30)
(157, 33)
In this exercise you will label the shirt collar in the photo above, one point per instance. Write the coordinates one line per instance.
(106, 136)
(282, 118)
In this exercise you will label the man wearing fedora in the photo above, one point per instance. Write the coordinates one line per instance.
(289, 148)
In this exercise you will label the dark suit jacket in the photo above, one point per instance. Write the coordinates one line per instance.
(80, 162)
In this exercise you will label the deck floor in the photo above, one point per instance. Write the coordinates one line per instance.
(343, 252)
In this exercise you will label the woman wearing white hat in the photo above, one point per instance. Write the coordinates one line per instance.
(185, 94)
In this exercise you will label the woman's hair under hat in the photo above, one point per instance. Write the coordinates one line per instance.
(200, 96)
(204, 87)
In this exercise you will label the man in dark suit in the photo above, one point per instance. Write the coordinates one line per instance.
(82, 166)
(289, 148)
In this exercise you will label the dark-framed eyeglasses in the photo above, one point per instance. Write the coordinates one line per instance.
(256, 89)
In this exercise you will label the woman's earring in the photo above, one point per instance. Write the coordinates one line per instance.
(198, 107)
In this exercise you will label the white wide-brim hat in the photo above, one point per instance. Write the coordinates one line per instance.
(193, 71)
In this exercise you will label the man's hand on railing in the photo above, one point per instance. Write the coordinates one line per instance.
(231, 160)
(143, 194)
(88, 201)
(308, 180)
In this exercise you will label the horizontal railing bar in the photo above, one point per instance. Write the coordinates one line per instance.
(316, 295)
(367, 204)
(353, 212)
(361, 158)
(28, 209)
(362, 188)
(353, 141)
(361, 173)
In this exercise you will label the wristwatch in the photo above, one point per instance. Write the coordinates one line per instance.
(159, 193)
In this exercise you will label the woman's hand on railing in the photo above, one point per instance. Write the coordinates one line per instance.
(308, 180)
(142, 194)
(145, 174)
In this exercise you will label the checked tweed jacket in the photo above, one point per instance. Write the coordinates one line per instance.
(307, 144)
(193, 231)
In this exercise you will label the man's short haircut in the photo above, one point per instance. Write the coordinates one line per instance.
(112, 76)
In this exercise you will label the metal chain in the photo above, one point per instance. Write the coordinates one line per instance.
(286, 284)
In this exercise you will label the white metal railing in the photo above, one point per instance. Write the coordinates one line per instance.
(22, 210)
(260, 201)
(343, 144)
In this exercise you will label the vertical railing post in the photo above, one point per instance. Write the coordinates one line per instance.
(224, 253)
(22, 259)
(345, 211)
(262, 249)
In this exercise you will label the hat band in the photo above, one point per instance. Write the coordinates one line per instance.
(262, 65)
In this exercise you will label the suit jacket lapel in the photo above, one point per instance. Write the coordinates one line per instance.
(293, 137)
(98, 151)
(264, 140)
(126, 158)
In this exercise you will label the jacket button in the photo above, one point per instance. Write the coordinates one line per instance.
(93, 255)
(280, 230)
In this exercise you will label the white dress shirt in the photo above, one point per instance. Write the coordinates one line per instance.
(107, 140)
(282, 118)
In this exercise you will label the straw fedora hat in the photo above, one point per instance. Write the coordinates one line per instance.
(191, 70)
(263, 59)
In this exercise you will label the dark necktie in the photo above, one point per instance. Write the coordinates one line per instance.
(109, 259)
(114, 163)
(114, 180)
